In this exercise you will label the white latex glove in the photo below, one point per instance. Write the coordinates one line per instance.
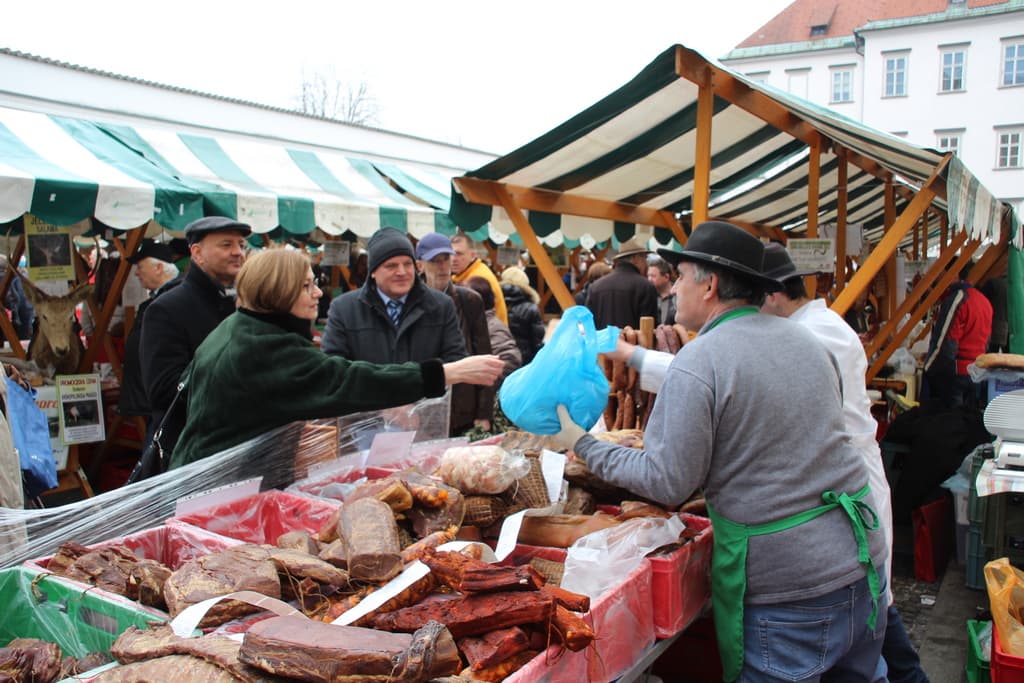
(570, 432)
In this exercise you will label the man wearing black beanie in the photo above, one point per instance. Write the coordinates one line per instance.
(393, 317)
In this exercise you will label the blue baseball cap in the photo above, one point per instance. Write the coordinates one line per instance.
(431, 245)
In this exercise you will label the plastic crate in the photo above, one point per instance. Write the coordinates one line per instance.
(976, 667)
(977, 506)
(261, 518)
(977, 556)
(623, 609)
(79, 621)
(171, 546)
(681, 580)
(1005, 668)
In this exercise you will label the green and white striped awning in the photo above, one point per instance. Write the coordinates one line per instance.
(65, 170)
(637, 147)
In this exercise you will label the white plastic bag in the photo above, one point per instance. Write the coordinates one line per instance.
(483, 470)
(596, 562)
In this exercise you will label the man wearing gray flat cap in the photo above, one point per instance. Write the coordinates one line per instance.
(751, 410)
(177, 322)
(625, 295)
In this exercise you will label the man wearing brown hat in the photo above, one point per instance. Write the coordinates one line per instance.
(625, 295)
(177, 322)
(797, 568)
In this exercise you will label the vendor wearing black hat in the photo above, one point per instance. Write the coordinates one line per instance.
(751, 410)
(394, 317)
(177, 322)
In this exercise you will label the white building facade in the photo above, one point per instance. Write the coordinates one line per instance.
(952, 81)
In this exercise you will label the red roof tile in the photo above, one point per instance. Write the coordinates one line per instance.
(793, 24)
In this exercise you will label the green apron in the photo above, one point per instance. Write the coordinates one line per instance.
(729, 567)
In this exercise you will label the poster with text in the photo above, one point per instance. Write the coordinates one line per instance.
(508, 256)
(49, 250)
(46, 399)
(816, 255)
(81, 408)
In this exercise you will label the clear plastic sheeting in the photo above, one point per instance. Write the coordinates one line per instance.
(279, 456)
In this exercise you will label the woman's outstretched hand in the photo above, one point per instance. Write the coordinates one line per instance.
(484, 369)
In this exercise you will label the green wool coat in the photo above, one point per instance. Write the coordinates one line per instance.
(253, 374)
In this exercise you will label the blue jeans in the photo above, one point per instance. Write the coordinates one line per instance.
(820, 639)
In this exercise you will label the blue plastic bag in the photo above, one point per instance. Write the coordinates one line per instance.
(31, 435)
(565, 370)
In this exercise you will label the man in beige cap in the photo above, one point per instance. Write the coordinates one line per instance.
(625, 295)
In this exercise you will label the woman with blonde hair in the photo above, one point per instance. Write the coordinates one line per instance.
(259, 369)
(524, 318)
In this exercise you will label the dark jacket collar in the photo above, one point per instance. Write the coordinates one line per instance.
(198, 278)
(286, 321)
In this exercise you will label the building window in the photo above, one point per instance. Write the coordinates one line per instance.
(953, 69)
(842, 85)
(948, 142)
(797, 80)
(895, 76)
(1013, 62)
(1009, 154)
(759, 76)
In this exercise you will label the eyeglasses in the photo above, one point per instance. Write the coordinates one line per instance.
(310, 287)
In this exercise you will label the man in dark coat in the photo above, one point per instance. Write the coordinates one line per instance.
(423, 326)
(178, 322)
(625, 295)
(472, 405)
(154, 266)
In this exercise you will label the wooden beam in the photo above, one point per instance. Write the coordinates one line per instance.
(813, 196)
(839, 276)
(915, 297)
(947, 277)
(487, 192)
(887, 246)
(702, 153)
(537, 252)
(113, 298)
(890, 266)
(5, 323)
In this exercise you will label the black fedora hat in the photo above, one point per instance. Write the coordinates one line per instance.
(726, 246)
(779, 266)
(152, 249)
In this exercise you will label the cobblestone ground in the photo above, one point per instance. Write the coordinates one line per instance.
(915, 600)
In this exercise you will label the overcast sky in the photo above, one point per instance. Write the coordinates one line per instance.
(484, 74)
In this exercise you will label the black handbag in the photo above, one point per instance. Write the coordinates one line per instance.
(157, 454)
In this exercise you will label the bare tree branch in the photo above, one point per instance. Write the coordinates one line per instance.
(326, 96)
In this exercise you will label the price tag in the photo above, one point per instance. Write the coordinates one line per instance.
(217, 496)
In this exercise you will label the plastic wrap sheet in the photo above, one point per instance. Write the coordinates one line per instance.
(171, 546)
(276, 456)
(59, 612)
(623, 626)
(261, 518)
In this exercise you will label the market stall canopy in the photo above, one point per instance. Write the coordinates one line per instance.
(634, 152)
(65, 170)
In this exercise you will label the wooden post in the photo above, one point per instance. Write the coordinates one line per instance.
(702, 152)
(103, 320)
(537, 252)
(5, 324)
(813, 195)
(885, 248)
(646, 332)
(839, 280)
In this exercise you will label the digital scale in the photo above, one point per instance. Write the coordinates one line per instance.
(1004, 417)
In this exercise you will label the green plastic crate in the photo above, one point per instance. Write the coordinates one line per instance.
(76, 619)
(977, 667)
(977, 556)
(977, 506)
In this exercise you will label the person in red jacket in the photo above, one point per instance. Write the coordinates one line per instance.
(960, 333)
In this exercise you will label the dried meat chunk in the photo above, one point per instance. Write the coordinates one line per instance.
(243, 567)
(371, 534)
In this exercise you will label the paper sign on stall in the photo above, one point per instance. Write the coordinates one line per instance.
(46, 399)
(335, 253)
(389, 448)
(49, 250)
(220, 495)
(812, 254)
(80, 408)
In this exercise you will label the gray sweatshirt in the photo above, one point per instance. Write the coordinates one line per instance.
(752, 410)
